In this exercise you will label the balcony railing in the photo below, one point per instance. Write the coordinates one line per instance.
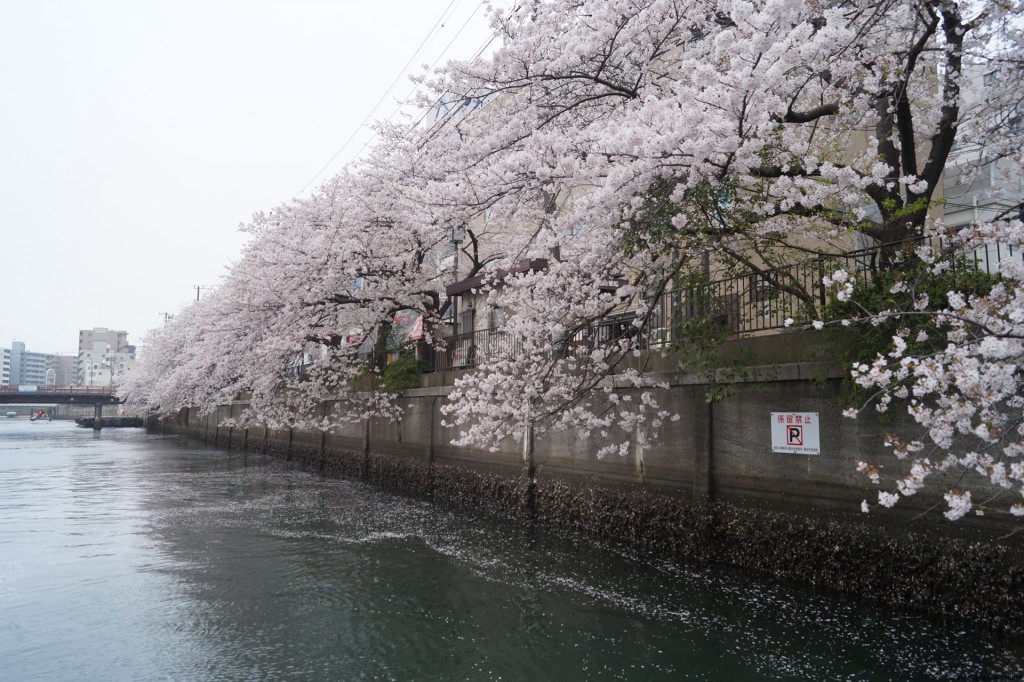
(753, 303)
(462, 351)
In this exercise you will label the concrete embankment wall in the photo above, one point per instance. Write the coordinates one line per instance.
(711, 490)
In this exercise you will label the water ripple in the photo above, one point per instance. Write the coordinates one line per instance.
(136, 557)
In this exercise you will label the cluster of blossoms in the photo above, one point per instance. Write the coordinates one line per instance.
(635, 147)
(843, 283)
(964, 388)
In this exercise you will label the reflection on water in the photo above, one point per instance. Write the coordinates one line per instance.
(133, 557)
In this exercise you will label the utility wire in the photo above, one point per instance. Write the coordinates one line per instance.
(403, 102)
(479, 52)
(382, 97)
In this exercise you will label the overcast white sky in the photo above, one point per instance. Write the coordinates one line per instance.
(135, 136)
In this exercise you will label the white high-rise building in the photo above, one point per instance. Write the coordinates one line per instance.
(22, 367)
(103, 355)
(989, 190)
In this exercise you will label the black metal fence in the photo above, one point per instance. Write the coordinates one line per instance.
(764, 301)
(461, 351)
(751, 303)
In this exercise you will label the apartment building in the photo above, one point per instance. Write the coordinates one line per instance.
(22, 367)
(103, 355)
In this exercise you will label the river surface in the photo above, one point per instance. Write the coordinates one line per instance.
(125, 556)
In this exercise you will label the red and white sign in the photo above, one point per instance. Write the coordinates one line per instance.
(796, 433)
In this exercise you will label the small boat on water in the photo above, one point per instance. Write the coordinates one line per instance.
(11, 414)
(39, 416)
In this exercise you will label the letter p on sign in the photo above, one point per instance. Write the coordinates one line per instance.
(794, 435)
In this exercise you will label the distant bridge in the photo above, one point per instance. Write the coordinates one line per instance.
(59, 395)
(97, 396)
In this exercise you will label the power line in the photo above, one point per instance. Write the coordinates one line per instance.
(383, 96)
(480, 50)
(432, 65)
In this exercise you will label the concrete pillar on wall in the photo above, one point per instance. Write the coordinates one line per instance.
(323, 435)
(366, 437)
(430, 434)
(530, 467)
(97, 423)
(640, 439)
(703, 447)
(366, 449)
(529, 442)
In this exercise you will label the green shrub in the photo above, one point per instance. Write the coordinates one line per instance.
(402, 372)
(866, 340)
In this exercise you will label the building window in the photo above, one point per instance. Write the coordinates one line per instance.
(497, 318)
(466, 321)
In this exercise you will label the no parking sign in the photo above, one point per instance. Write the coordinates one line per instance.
(796, 433)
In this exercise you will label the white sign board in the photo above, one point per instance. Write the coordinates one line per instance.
(796, 433)
(26, 389)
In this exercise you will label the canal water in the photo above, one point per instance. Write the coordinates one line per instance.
(125, 556)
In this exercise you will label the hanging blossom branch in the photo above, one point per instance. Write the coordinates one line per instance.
(620, 139)
(958, 370)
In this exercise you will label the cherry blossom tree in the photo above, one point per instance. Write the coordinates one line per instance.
(658, 141)
(790, 113)
(305, 314)
(639, 148)
(956, 363)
